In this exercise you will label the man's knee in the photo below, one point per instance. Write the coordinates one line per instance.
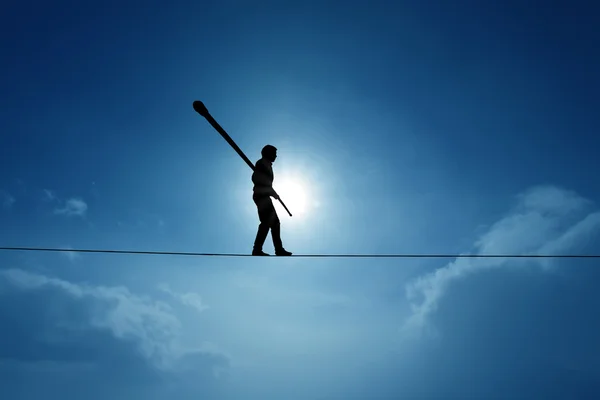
(275, 221)
(264, 225)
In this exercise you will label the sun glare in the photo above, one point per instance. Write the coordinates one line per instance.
(293, 194)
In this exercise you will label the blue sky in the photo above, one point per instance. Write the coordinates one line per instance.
(429, 127)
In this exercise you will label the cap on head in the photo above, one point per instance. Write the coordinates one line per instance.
(269, 152)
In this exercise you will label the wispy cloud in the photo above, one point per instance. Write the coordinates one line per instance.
(189, 299)
(71, 255)
(139, 219)
(120, 311)
(6, 200)
(73, 207)
(545, 219)
(49, 195)
(151, 324)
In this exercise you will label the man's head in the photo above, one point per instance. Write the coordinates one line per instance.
(269, 152)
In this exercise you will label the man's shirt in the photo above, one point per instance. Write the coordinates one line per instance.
(263, 177)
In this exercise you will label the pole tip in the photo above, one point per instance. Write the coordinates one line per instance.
(200, 108)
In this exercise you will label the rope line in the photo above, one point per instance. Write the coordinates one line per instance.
(196, 254)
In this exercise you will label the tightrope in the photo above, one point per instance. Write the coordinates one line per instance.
(198, 254)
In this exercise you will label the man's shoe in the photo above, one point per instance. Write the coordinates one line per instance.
(259, 253)
(283, 252)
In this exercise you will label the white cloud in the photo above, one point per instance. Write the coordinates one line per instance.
(151, 324)
(73, 207)
(6, 200)
(189, 299)
(545, 220)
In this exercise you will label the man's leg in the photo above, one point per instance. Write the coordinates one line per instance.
(261, 236)
(276, 231)
(276, 235)
(264, 215)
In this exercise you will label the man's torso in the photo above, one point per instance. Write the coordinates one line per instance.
(262, 176)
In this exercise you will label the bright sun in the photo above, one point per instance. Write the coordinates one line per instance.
(293, 194)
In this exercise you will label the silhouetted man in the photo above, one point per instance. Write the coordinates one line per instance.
(263, 190)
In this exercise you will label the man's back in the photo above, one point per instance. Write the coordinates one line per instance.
(263, 176)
